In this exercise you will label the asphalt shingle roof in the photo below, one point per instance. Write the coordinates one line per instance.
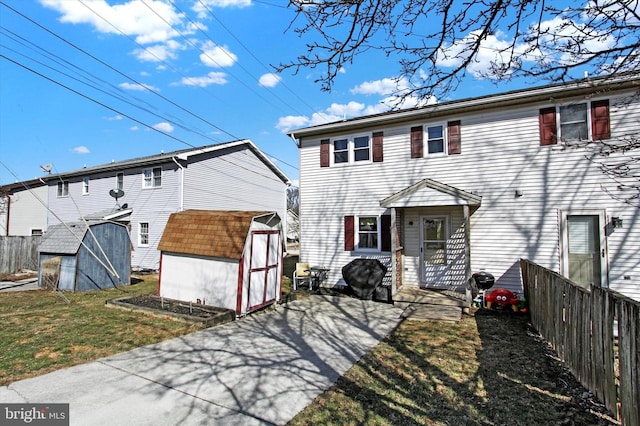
(213, 233)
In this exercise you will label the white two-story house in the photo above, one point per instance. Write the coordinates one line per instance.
(443, 191)
(143, 192)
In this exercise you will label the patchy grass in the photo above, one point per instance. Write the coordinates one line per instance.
(41, 333)
(488, 369)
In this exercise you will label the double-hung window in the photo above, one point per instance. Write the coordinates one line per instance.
(85, 186)
(368, 233)
(583, 121)
(352, 149)
(435, 139)
(63, 189)
(573, 122)
(152, 178)
(143, 234)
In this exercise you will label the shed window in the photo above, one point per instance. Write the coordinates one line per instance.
(152, 178)
(143, 234)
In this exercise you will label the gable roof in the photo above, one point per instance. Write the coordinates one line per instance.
(429, 192)
(67, 239)
(183, 154)
(212, 233)
(551, 92)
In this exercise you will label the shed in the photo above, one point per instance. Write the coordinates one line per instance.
(84, 256)
(228, 259)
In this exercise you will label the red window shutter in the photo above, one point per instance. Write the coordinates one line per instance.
(324, 152)
(377, 147)
(416, 142)
(548, 128)
(453, 137)
(349, 223)
(385, 230)
(600, 125)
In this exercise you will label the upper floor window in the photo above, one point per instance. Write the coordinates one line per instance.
(152, 178)
(362, 148)
(120, 181)
(435, 139)
(63, 189)
(85, 186)
(575, 122)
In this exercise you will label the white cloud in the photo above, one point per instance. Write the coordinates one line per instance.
(341, 110)
(211, 78)
(201, 7)
(163, 127)
(115, 118)
(159, 52)
(217, 56)
(296, 121)
(81, 150)
(134, 128)
(269, 80)
(132, 18)
(137, 87)
(384, 87)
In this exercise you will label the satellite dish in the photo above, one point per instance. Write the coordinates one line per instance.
(47, 168)
(116, 193)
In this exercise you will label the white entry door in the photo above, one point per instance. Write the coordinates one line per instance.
(584, 251)
(434, 258)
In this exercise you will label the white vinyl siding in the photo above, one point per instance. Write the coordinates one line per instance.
(501, 153)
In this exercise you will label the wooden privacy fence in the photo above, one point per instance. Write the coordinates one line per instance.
(580, 326)
(18, 253)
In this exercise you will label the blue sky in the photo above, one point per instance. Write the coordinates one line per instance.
(201, 75)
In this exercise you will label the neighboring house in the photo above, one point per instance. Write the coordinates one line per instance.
(23, 208)
(230, 176)
(442, 191)
(234, 262)
(83, 256)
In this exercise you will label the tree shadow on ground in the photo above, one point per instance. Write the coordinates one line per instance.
(490, 368)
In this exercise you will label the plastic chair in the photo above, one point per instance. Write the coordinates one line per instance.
(301, 274)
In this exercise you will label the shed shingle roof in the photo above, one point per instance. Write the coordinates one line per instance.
(214, 233)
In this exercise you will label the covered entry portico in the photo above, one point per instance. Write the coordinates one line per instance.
(430, 235)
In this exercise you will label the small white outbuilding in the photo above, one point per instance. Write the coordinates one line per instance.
(228, 259)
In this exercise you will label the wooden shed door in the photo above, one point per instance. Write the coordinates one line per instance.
(264, 277)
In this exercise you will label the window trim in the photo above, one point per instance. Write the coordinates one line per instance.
(444, 139)
(351, 149)
(62, 189)
(85, 185)
(153, 178)
(356, 239)
(140, 234)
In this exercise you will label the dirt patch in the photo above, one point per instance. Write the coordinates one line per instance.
(174, 309)
(18, 276)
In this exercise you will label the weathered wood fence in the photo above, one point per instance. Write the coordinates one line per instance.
(18, 253)
(581, 327)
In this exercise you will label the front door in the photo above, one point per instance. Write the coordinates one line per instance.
(584, 251)
(434, 233)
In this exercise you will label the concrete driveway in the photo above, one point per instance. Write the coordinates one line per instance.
(262, 369)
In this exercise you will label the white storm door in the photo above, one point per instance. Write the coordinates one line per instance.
(584, 251)
(434, 258)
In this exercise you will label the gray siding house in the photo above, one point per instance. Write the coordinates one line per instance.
(227, 176)
(23, 208)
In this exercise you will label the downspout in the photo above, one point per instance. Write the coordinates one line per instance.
(181, 183)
